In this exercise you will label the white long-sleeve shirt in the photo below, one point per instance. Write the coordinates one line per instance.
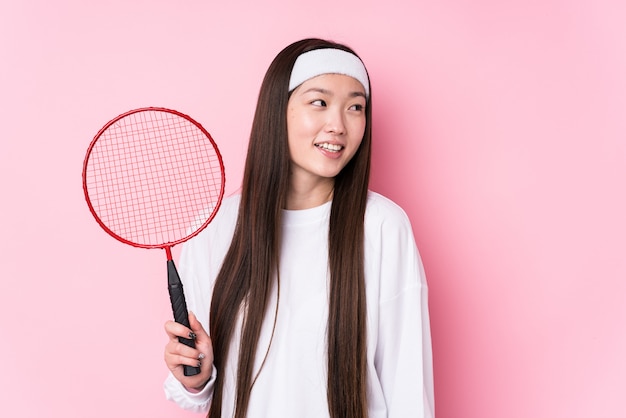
(292, 382)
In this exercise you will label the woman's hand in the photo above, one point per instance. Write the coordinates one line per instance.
(178, 354)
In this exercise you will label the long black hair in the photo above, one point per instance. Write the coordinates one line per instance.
(250, 266)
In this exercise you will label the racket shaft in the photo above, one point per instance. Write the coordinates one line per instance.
(179, 308)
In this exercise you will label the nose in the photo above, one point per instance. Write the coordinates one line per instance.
(335, 123)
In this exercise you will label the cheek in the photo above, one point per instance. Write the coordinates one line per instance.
(358, 130)
(300, 125)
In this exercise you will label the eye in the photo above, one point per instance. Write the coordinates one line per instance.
(319, 102)
(357, 107)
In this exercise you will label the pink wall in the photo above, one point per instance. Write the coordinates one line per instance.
(500, 128)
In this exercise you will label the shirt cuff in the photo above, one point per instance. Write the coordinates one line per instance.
(193, 401)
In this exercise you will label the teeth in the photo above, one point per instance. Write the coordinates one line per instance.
(329, 147)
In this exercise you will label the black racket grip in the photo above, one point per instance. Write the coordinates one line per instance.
(179, 308)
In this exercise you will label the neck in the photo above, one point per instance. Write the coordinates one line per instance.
(309, 196)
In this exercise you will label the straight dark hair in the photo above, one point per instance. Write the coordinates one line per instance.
(250, 267)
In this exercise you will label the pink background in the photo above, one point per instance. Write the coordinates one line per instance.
(500, 127)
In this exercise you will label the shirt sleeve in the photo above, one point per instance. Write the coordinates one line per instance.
(193, 401)
(403, 357)
(190, 270)
(199, 264)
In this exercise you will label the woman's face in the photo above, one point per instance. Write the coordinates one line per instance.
(325, 125)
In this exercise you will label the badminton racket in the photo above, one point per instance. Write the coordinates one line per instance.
(154, 178)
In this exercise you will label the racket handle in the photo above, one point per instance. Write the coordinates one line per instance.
(179, 308)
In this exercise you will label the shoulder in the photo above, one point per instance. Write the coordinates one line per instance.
(226, 215)
(387, 224)
(202, 255)
(382, 211)
(392, 259)
(230, 204)
(219, 231)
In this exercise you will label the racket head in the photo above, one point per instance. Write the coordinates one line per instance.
(153, 177)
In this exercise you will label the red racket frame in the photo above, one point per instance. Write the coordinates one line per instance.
(166, 246)
(175, 287)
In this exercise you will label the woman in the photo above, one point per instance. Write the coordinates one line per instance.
(312, 286)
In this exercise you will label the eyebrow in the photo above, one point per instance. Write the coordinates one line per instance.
(329, 93)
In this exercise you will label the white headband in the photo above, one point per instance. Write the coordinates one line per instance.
(328, 61)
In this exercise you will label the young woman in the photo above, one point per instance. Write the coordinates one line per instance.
(310, 286)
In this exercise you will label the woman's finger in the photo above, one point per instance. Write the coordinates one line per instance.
(197, 328)
(175, 330)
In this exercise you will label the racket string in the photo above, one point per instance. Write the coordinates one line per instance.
(154, 177)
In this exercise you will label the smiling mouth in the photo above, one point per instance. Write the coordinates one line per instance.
(330, 147)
